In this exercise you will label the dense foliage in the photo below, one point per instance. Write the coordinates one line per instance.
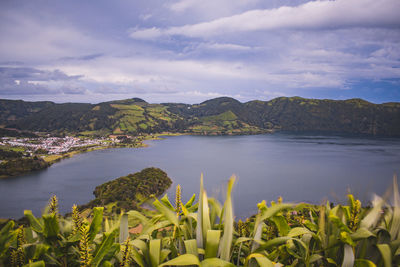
(20, 166)
(9, 154)
(131, 190)
(205, 234)
(14, 133)
(216, 116)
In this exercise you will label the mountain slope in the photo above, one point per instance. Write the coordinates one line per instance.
(222, 115)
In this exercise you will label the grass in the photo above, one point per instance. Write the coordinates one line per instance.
(53, 158)
(13, 148)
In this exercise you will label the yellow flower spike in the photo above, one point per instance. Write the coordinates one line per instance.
(178, 200)
(126, 258)
(76, 219)
(53, 205)
(84, 247)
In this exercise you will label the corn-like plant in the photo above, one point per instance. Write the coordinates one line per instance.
(84, 247)
(53, 205)
(76, 220)
(206, 234)
(126, 254)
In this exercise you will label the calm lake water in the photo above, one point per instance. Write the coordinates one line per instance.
(297, 167)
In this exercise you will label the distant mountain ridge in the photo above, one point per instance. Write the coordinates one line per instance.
(218, 116)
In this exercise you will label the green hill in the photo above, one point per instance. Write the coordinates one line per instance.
(222, 115)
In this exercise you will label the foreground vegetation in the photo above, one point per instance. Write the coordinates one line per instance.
(205, 234)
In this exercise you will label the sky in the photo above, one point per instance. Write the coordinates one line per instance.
(190, 51)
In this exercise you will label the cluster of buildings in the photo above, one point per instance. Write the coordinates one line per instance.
(53, 145)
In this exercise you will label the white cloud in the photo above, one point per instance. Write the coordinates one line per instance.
(225, 46)
(145, 17)
(309, 16)
(145, 34)
(248, 50)
(31, 40)
(209, 9)
(182, 5)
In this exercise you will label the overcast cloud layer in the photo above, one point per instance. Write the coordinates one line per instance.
(189, 51)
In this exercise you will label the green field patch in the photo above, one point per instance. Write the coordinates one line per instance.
(117, 130)
(127, 107)
(143, 126)
(226, 116)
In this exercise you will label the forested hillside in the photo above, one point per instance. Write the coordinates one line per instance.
(216, 116)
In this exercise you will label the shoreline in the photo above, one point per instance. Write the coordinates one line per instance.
(52, 159)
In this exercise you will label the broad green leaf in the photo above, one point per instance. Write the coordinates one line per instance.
(321, 226)
(107, 264)
(216, 210)
(203, 217)
(34, 223)
(274, 242)
(331, 261)
(168, 214)
(257, 234)
(51, 227)
(242, 239)
(150, 227)
(167, 203)
(281, 224)
(346, 238)
(271, 211)
(348, 258)
(183, 260)
(95, 225)
(190, 202)
(361, 233)
(164, 254)
(35, 264)
(7, 228)
(140, 244)
(105, 245)
(137, 215)
(297, 231)
(213, 238)
(155, 252)
(260, 258)
(395, 224)
(226, 241)
(311, 226)
(384, 249)
(40, 249)
(374, 214)
(336, 220)
(315, 257)
(6, 234)
(191, 247)
(123, 228)
(184, 210)
(137, 257)
(199, 225)
(215, 262)
(364, 263)
(301, 247)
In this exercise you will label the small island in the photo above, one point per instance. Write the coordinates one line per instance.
(130, 191)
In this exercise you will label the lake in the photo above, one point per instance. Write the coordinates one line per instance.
(310, 168)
